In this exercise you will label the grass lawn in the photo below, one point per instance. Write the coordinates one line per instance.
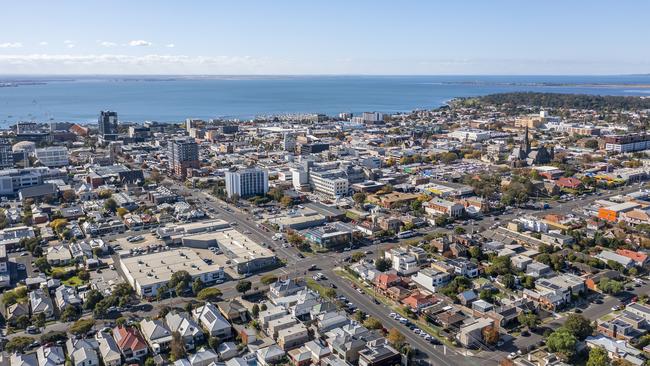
(73, 281)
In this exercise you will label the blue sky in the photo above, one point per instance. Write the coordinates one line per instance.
(325, 37)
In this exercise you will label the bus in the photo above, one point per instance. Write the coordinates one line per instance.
(406, 234)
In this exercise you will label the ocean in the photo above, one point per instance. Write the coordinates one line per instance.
(174, 98)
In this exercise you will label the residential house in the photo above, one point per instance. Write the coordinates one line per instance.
(293, 336)
(156, 333)
(108, 349)
(130, 342)
(41, 303)
(270, 355)
(50, 356)
(379, 353)
(471, 335)
(233, 310)
(211, 319)
(187, 327)
(616, 349)
(204, 357)
(431, 279)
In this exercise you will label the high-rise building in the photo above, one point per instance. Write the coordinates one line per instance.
(247, 182)
(6, 154)
(289, 142)
(107, 126)
(183, 154)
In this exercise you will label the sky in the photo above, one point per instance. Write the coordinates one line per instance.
(372, 37)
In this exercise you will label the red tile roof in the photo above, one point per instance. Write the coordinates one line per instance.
(129, 338)
(635, 256)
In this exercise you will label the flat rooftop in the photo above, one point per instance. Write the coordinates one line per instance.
(158, 267)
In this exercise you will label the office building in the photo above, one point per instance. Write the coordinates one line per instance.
(183, 154)
(330, 183)
(627, 143)
(52, 156)
(6, 154)
(107, 126)
(289, 142)
(247, 182)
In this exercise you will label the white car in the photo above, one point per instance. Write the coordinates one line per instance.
(392, 315)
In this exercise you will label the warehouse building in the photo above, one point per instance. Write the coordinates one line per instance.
(147, 273)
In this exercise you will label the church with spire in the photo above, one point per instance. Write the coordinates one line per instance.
(526, 155)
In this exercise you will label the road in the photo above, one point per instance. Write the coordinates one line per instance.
(435, 354)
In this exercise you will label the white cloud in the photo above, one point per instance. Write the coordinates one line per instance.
(170, 45)
(140, 43)
(129, 64)
(43, 43)
(11, 45)
(69, 44)
(107, 44)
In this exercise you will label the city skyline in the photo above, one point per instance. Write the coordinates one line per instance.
(288, 38)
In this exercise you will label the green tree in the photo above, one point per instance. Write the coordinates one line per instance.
(149, 362)
(359, 198)
(69, 314)
(598, 357)
(82, 326)
(92, 298)
(609, 286)
(382, 264)
(209, 294)
(197, 286)
(563, 342)
(213, 342)
(243, 286)
(18, 344)
(110, 205)
(579, 326)
(255, 311)
(356, 256)
(42, 264)
(508, 281)
(268, 279)
(372, 323)
(528, 319)
(500, 266)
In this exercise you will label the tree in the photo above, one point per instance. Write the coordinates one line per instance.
(69, 196)
(609, 286)
(490, 335)
(359, 198)
(500, 266)
(18, 344)
(528, 319)
(382, 264)
(395, 338)
(110, 205)
(359, 316)
(92, 298)
(121, 211)
(177, 347)
(591, 144)
(149, 362)
(101, 308)
(372, 323)
(286, 201)
(529, 282)
(51, 337)
(255, 311)
(475, 252)
(459, 230)
(508, 281)
(243, 286)
(268, 279)
(209, 294)
(38, 320)
(598, 357)
(69, 314)
(562, 341)
(58, 225)
(197, 286)
(579, 326)
(81, 326)
(213, 342)
(356, 256)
